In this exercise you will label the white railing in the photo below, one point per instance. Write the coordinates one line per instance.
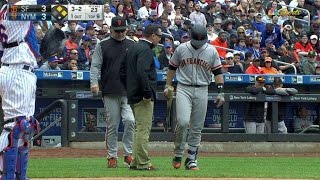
(280, 62)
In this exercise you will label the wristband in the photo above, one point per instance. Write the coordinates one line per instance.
(166, 86)
(220, 87)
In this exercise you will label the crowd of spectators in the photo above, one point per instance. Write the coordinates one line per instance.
(251, 36)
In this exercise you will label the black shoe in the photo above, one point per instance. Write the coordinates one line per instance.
(176, 162)
(191, 164)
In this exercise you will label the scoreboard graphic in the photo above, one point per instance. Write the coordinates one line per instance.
(55, 12)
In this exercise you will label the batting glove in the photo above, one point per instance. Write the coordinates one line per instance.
(219, 100)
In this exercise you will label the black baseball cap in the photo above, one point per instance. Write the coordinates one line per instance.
(118, 23)
(260, 79)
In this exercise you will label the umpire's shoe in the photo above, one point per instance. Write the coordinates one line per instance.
(176, 162)
(191, 164)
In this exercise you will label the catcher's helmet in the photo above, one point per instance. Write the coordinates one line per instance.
(198, 35)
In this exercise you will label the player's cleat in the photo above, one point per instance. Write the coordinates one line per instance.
(112, 163)
(176, 162)
(128, 159)
(191, 164)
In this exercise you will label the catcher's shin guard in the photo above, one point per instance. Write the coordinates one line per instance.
(22, 162)
(10, 154)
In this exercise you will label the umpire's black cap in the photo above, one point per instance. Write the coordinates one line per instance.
(198, 35)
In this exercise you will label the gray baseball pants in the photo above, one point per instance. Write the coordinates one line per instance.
(117, 108)
(254, 128)
(191, 109)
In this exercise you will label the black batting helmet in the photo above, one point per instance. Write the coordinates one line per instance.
(198, 35)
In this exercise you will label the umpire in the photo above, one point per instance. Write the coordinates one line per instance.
(106, 61)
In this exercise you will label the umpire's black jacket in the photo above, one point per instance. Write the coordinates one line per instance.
(141, 76)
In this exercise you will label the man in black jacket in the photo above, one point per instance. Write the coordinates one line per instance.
(106, 61)
(141, 77)
(281, 91)
(255, 112)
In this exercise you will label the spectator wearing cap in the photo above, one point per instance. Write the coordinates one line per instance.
(70, 43)
(197, 17)
(254, 115)
(248, 59)
(268, 69)
(113, 6)
(233, 68)
(272, 50)
(165, 56)
(211, 35)
(254, 68)
(221, 44)
(145, 11)
(271, 32)
(257, 6)
(217, 26)
(90, 30)
(153, 19)
(309, 66)
(51, 64)
(290, 57)
(315, 43)
(296, 33)
(108, 15)
(84, 50)
(286, 31)
(303, 46)
(185, 38)
(282, 106)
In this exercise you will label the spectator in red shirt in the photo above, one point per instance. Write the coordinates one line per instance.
(303, 46)
(221, 41)
(254, 67)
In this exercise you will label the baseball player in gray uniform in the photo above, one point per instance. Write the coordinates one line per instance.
(193, 62)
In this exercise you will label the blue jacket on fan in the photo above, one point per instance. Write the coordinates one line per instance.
(260, 26)
(275, 36)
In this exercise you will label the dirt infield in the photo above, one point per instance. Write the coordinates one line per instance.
(75, 153)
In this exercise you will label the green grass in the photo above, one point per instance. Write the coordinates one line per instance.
(231, 167)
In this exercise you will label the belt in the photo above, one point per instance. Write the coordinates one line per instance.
(13, 120)
(25, 67)
(11, 45)
(193, 85)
